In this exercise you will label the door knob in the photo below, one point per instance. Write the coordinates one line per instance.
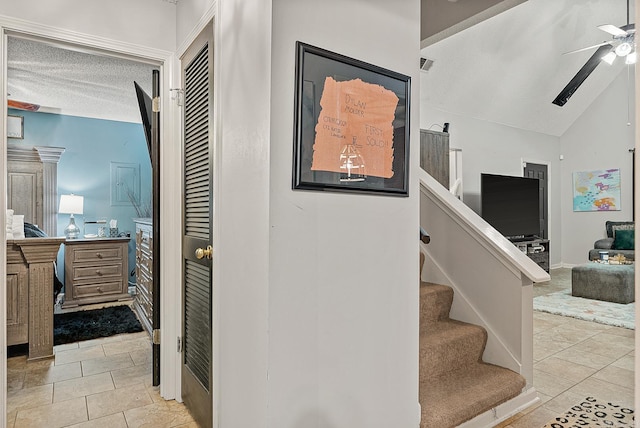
(204, 252)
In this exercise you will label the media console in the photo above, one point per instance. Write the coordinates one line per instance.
(537, 250)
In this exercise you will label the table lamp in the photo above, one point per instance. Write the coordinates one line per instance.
(71, 204)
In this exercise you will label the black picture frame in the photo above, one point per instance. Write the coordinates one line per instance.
(316, 67)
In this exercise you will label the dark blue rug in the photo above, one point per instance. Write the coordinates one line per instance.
(93, 324)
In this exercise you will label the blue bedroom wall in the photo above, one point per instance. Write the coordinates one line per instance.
(91, 146)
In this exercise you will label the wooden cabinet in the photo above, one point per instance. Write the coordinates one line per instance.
(143, 303)
(95, 271)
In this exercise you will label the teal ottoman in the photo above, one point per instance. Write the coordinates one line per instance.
(600, 281)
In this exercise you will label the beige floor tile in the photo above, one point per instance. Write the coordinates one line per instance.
(585, 325)
(564, 369)
(545, 348)
(598, 347)
(604, 391)
(15, 379)
(54, 415)
(132, 375)
(11, 419)
(563, 402)
(65, 347)
(549, 384)
(619, 331)
(106, 363)
(588, 359)
(29, 397)
(139, 343)
(115, 420)
(626, 362)
(621, 342)
(79, 354)
(616, 375)
(80, 387)
(52, 374)
(118, 400)
(141, 356)
(161, 414)
(189, 425)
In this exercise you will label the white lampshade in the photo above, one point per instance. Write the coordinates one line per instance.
(71, 204)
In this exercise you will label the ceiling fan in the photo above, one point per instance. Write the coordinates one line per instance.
(622, 45)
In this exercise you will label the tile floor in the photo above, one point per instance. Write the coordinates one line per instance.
(95, 383)
(574, 359)
(107, 382)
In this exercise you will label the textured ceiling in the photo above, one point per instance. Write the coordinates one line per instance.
(75, 83)
(510, 67)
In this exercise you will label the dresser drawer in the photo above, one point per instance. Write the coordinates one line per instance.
(93, 290)
(97, 272)
(96, 254)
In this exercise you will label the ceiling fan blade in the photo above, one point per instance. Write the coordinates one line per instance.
(587, 48)
(581, 75)
(22, 105)
(613, 30)
(629, 28)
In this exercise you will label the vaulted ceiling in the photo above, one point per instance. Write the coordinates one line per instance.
(508, 68)
(496, 60)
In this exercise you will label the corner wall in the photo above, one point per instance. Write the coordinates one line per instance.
(343, 280)
(599, 139)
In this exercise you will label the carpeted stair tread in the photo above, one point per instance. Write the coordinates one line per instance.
(464, 394)
(455, 384)
(458, 343)
(435, 302)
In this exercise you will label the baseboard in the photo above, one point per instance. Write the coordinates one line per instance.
(504, 411)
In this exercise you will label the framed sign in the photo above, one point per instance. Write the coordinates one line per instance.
(351, 125)
(15, 126)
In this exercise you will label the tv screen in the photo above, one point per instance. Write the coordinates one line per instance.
(511, 205)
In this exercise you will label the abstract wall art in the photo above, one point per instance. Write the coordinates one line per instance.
(596, 190)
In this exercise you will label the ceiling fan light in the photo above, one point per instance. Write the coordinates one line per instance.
(631, 58)
(623, 49)
(609, 58)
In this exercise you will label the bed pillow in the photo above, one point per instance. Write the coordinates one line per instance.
(624, 240)
(18, 226)
(9, 225)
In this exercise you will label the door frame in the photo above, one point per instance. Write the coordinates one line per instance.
(170, 175)
(523, 162)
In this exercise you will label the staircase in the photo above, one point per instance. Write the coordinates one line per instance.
(455, 384)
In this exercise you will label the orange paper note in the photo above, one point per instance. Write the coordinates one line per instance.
(354, 132)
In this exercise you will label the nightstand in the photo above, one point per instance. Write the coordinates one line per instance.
(95, 271)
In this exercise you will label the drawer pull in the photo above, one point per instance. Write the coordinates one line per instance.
(99, 255)
(98, 272)
(99, 289)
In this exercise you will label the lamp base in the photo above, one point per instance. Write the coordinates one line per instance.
(72, 231)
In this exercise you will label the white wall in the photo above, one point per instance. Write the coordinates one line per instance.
(499, 149)
(599, 139)
(343, 316)
(149, 23)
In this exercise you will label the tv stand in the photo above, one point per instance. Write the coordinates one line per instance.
(536, 249)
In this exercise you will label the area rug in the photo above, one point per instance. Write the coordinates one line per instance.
(594, 413)
(563, 303)
(86, 325)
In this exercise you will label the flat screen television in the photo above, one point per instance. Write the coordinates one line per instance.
(511, 205)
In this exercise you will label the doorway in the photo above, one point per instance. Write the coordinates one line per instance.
(100, 49)
(540, 171)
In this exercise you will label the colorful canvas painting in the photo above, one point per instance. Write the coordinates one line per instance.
(596, 190)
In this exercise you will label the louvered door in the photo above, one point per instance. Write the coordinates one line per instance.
(197, 75)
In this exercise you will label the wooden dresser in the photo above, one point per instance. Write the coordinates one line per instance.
(95, 271)
(144, 272)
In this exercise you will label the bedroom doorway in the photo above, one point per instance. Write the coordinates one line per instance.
(54, 119)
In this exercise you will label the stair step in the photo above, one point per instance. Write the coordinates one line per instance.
(435, 302)
(449, 345)
(459, 396)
